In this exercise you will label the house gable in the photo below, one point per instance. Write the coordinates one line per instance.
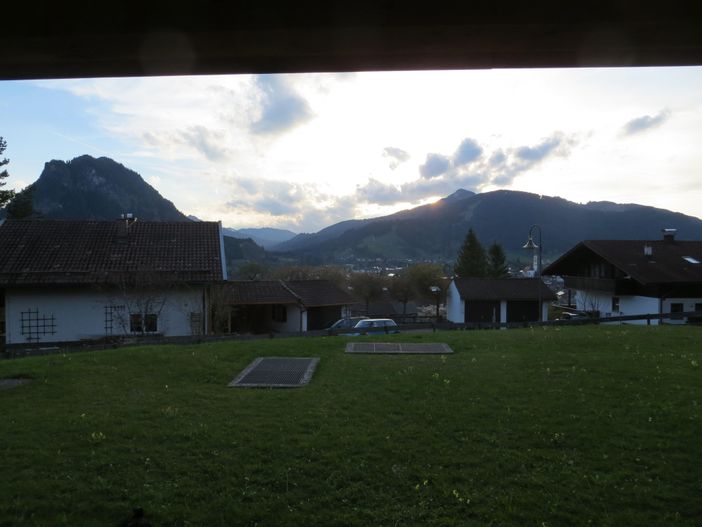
(633, 267)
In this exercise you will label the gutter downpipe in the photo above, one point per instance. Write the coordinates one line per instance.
(300, 304)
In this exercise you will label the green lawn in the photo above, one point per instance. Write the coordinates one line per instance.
(542, 427)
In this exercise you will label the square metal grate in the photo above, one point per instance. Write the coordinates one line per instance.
(401, 348)
(276, 372)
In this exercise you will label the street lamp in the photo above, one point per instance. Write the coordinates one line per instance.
(435, 289)
(537, 273)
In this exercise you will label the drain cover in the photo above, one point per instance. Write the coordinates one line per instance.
(276, 372)
(413, 348)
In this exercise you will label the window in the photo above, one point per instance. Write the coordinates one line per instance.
(615, 304)
(139, 323)
(698, 308)
(280, 313)
(151, 323)
(676, 307)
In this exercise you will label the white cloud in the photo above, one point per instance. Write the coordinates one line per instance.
(645, 122)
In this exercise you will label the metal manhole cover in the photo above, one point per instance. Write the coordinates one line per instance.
(276, 372)
(401, 348)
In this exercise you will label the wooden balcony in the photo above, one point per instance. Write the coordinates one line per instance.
(615, 286)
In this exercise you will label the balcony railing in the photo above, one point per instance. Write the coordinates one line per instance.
(617, 286)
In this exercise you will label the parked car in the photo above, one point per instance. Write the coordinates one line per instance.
(374, 326)
(346, 323)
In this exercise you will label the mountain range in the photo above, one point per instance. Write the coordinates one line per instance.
(437, 230)
(102, 189)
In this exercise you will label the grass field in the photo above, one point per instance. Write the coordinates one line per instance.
(542, 427)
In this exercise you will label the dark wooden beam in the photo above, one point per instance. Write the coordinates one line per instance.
(79, 39)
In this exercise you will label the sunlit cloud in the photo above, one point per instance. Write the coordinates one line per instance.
(442, 174)
(396, 156)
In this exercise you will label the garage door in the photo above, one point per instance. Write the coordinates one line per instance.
(522, 311)
(482, 311)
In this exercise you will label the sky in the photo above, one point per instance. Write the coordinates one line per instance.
(303, 151)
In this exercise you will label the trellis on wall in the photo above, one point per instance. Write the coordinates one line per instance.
(112, 317)
(34, 326)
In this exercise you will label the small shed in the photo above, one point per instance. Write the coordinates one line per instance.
(497, 300)
(261, 306)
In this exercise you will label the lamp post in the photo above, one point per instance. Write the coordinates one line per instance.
(435, 289)
(537, 273)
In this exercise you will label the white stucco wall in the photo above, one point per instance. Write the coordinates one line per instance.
(80, 313)
(455, 307)
(628, 305)
(292, 324)
(544, 309)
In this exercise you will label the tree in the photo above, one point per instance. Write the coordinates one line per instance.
(21, 206)
(136, 302)
(5, 195)
(367, 287)
(402, 289)
(415, 283)
(425, 275)
(471, 261)
(250, 271)
(496, 262)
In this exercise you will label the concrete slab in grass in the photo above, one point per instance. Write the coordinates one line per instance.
(399, 348)
(13, 383)
(276, 372)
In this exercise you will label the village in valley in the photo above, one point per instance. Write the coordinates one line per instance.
(78, 282)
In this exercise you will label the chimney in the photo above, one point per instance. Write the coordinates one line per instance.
(127, 220)
(669, 235)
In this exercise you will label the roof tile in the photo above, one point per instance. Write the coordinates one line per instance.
(76, 252)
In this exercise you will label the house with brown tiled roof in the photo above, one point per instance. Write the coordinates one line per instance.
(633, 277)
(262, 306)
(64, 281)
(497, 300)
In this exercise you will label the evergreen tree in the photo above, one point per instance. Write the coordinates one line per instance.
(496, 262)
(471, 261)
(5, 195)
(21, 205)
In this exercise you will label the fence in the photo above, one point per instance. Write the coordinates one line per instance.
(678, 317)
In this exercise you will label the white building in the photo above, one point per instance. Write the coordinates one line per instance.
(497, 300)
(611, 278)
(65, 281)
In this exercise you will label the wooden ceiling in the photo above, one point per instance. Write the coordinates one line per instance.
(55, 39)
